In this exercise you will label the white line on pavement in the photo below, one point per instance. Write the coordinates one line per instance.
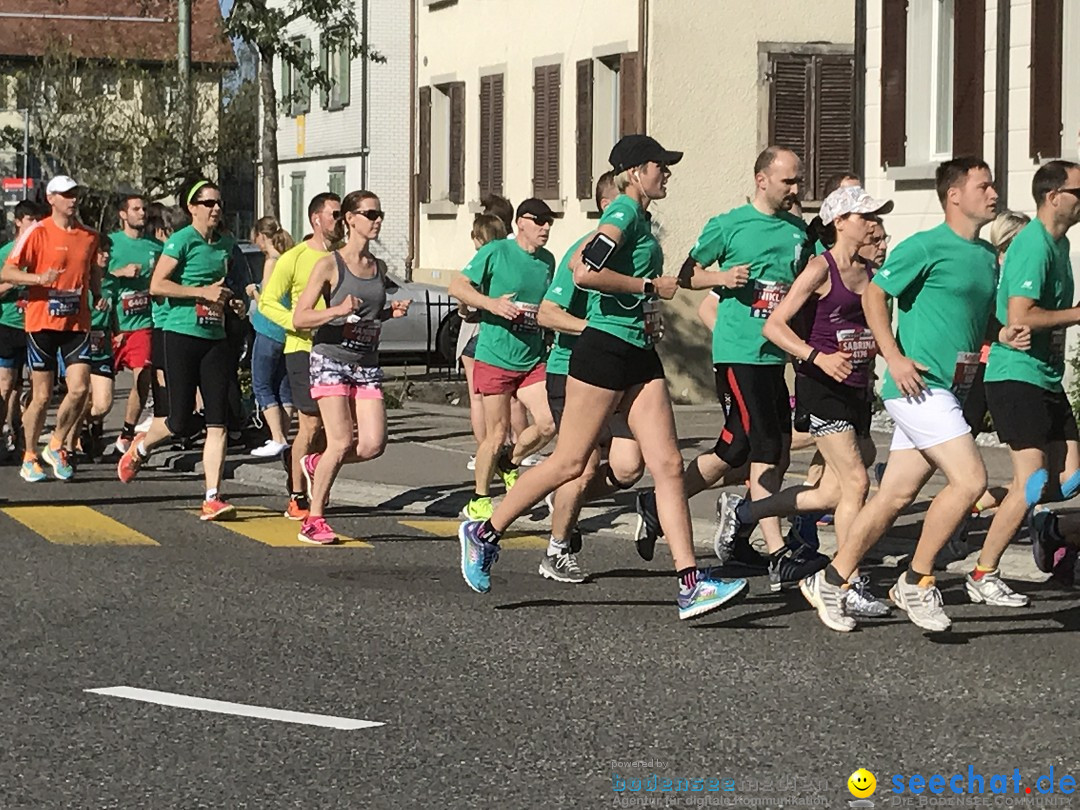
(225, 707)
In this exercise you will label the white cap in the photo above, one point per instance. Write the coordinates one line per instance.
(851, 200)
(60, 185)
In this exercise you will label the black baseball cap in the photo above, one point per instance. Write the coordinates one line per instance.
(538, 209)
(636, 150)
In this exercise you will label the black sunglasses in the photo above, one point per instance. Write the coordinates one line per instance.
(1074, 191)
(541, 220)
(371, 214)
(207, 203)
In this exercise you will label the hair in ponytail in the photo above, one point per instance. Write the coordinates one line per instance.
(488, 228)
(350, 205)
(270, 228)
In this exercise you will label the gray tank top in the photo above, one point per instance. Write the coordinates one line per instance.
(355, 339)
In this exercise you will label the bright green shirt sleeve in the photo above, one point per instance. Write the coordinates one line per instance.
(277, 289)
(711, 245)
(478, 270)
(906, 265)
(1024, 273)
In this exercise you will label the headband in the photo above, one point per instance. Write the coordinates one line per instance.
(195, 189)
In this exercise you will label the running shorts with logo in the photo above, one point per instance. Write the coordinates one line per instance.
(1029, 416)
(46, 349)
(932, 418)
(825, 407)
(757, 413)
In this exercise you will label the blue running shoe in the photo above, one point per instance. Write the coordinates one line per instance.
(1034, 486)
(708, 595)
(476, 556)
(31, 472)
(58, 460)
(1071, 486)
(804, 531)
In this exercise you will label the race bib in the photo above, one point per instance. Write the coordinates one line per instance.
(97, 343)
(64, 303)
(859, 343)
(135, 302)
(767, 296)
(967, 366)
(654, 320)
(526, 318)
(361, 336)
(22, 300)
(209, 314)
(1057, 345)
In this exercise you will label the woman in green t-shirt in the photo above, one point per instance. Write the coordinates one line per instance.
(90, 429)
(614, 365)
(190, 276)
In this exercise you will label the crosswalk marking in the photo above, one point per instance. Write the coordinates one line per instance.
(271, 528)
(76, 526)
(449, 528)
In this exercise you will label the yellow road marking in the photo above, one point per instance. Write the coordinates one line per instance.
(271, 528)
(76, 526)
(449, 528)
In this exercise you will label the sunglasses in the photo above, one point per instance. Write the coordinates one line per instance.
(371, 214)
(212, 203)
(541, 220)
(1074, 191)
(881, 240)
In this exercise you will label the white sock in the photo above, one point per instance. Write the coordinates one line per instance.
(211, 494)
(557, 547)
(141, 450)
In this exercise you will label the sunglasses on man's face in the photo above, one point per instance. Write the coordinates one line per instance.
(211, 203)
(541, 220)
(372, 214)
(1074, 191)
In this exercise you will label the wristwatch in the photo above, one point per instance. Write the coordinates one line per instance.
(648, 288)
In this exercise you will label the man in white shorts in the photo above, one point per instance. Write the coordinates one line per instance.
(943, 282)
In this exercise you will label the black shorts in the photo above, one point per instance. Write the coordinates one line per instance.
(556, 394)
(103, 367)
(974, 406)
(45, 348)
(298, 369)
(609, 362)
(470, 347)
(157, 386)
(757, 413)
(831, 401)
(194, 363)
(1027, 416)
(12, 343)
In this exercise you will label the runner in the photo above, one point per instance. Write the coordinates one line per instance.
(1024, 390)
(943, 283)
(134, 254)
(346, 379)
(13, 332)
(506, 280)
(833, 383)
(564, 311)
(54, 259)
(190, 276)
(162, 221)
(89, 431)
(615, 365)
(280, 294)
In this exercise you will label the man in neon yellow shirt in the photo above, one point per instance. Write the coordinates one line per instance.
(276, 302)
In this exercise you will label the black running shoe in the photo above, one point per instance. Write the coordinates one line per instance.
(744, 554)
(648, 525)
(1046, 539)
(575, 541)
(789, 567)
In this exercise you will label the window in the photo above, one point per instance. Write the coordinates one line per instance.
(336, 64)
(547, 85)
(442, 143)
(336, 181)
(295, 89)
(930, 80)
(298, 206)
(491, 135)
(811, 112)
(608, 107)
(1048, 115)
(1071, 79)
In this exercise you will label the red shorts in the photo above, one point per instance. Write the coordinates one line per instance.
(489, 379)
(132, 349)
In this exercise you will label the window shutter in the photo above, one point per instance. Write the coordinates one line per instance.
(833, 142)
(303, 104)
(554, 98)
(497, 134)
(1046, 55)
(584, 129)
(789, 114)
(894, 82)
(491, 134)
(285, 92)
(424, 180)
(630, 122)
(969, 66)
(546, 132)
(344, 90)
(457, 142)
(324, 67)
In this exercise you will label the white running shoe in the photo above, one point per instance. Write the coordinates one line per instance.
(828, 600)
(472, 463)
(992, 590)
(270, 449)
(921, 602)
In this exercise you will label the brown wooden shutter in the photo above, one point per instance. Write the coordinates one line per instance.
(969, 67)
(630, 122)
(425, 144)
(491, 111)
(833, 106)
(546, 92)
(789, 100)
(497, 134)
(1046, 56)
(894, 15)
(584, 129)
(457, 142)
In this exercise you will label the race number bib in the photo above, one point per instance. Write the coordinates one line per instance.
(1057, 345)
(526, 318)
(361, 336)
(654, 320)
(767, 297)
(209, 314)
(64, 303)
(98, 343)
(135, 302)
(967, 366)
(859, 343)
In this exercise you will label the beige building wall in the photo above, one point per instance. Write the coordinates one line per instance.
(708, 97)
(464, 40)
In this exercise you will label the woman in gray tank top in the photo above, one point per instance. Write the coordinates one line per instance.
(345, 303)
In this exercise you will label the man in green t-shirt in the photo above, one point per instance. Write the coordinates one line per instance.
(943, 283)
(506, 280)
(1024, 390)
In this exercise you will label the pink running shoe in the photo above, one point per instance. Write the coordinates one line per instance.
(308, 464)
(317, 531)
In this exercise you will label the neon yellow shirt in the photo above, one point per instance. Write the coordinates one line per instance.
(287, 281)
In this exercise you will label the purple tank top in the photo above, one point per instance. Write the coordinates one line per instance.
(840, 325)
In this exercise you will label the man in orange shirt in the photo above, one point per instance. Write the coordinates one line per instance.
(54, 260)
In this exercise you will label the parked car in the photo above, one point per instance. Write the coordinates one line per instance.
(430, 329)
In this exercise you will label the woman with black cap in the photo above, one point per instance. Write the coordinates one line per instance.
(614, 363)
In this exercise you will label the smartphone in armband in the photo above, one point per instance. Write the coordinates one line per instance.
(597, 253)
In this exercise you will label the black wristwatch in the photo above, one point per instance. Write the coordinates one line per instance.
(648, 288)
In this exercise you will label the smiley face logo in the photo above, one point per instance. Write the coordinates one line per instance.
(862, 784)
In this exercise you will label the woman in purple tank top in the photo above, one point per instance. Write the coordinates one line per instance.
(833, 381)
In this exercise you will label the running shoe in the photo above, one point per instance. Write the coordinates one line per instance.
(31, 471)
(1045, 539)
(562, 568)
(825, 519)
(58, 460)
(990, 589)
(879, 472)
(728, 526)
(1035, 486)
(298, 508)
(829, 601)
(122, 445)
(478, 509)
(921, 602)
(476, 556)
(789, 566)
(308, 464)
(317, 531)
(860, 602)
(144, 425)
(269, 449)
(708, 595)
(509, 477)
(532, 461)
(471, 464)
(217, 509)
(804, 531)
(131, 462)
(744, 554)
(648, 525)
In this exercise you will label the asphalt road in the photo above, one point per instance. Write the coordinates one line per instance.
(537, 695)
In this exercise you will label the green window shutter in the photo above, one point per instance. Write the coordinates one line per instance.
(303, 105)
(345, 74)
(286, 87)
(324, 68)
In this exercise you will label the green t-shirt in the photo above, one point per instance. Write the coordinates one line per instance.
(11, 314)
(1036, 267)
(633, 317)
(199, 263)
(502, 267)
(131, 300)
(944, 290)
(574, 300)
(775, 248)
(102, 323)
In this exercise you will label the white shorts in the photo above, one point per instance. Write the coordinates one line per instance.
(934, 418)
